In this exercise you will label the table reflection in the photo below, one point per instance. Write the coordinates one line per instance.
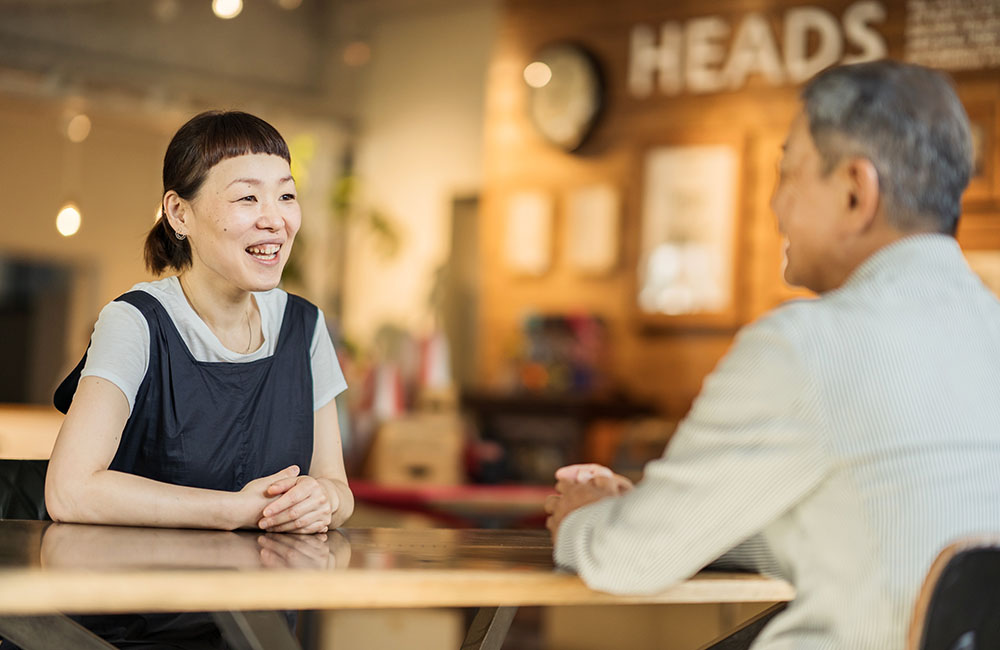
(68, 546)
(55, 547)
(439, 548)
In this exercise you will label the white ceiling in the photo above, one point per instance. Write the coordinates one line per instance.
(176, 52)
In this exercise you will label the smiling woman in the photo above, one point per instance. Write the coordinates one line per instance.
(206, 398)
(241, 226)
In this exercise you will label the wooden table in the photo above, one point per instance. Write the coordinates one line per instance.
(50, 569)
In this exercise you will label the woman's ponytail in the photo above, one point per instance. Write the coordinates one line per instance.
(164, 250)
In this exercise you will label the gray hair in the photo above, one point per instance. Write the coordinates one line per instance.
(908, 121)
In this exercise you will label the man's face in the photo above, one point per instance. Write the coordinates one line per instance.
(807, 205)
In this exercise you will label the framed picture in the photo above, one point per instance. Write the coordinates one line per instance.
(528, 236)
(984, 186)
(593, 224)
(979, 226)
(688, 235)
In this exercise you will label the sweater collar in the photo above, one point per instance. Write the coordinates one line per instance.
(923, 251)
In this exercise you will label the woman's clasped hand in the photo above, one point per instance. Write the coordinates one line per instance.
(287, 502)
(303, 505)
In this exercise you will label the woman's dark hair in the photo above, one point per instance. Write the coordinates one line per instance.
(199, 145)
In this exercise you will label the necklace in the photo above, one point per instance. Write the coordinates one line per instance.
(198, 313)
(249, 333)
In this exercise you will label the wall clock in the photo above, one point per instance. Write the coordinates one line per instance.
(566, 94)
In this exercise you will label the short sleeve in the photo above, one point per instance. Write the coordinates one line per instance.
(119, 349)
(328, 378)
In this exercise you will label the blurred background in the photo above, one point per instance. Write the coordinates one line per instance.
(533, 225)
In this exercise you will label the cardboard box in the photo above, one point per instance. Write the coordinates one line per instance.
(419, 449)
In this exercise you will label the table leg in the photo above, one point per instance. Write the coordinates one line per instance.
(489, 628)
(256, 630)
(44, 632)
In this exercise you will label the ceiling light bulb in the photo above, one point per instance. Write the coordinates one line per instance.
(227, 9)
(68, 220)
(78, 128)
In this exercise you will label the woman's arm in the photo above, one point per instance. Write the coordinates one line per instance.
(321, 500)
(328, 462)
(80, 488)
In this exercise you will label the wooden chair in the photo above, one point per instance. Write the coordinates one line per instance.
(959, 604)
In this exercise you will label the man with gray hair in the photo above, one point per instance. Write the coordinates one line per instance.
(843, 441)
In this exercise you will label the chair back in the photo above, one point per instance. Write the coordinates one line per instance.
(959, 604)
(22, 489)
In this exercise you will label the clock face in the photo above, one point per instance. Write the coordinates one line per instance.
(565, 97)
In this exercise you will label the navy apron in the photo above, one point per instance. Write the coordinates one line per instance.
(213, 425)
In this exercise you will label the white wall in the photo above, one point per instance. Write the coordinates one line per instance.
(115, 177)
(419, 146)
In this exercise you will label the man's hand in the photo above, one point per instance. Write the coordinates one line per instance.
(578, 486)
(304, 506)
(582, 472)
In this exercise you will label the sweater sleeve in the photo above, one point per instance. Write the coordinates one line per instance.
(749, 450)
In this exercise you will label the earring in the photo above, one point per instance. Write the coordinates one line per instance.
(180, 236)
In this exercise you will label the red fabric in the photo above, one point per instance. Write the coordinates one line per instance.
(460, 504)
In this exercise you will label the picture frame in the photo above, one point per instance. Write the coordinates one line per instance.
(979, 224)
(688, 253)
(984, 122)
(528, 244)
(591, 238)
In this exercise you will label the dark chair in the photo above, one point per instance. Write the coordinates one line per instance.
(743, 636)
(959, 604)
(22, 495)
(22, 489)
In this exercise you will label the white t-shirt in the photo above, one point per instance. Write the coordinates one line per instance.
(119, 346)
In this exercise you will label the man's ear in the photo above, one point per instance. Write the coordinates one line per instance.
(175, 211)
(862, 193)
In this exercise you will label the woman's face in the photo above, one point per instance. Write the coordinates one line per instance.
(242, 222)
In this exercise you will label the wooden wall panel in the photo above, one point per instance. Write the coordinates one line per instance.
(667, 366)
